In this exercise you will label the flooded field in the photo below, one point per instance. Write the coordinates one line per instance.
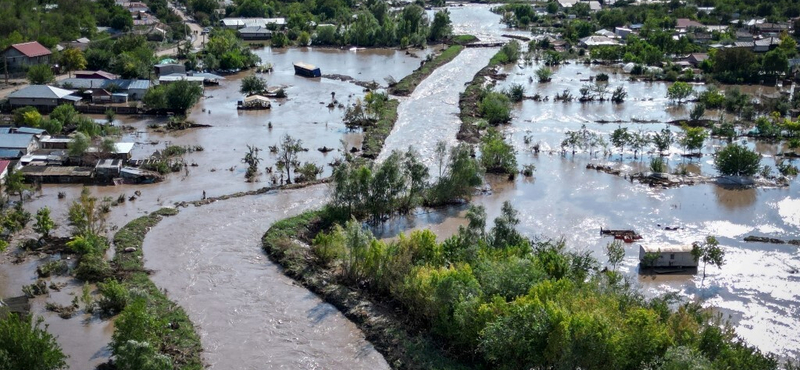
(249, 315)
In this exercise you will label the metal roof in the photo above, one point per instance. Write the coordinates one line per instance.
(255, 29)
(15, 141)
(31, 49)
(247, 22)
(666, 248)
(123, 147)
(10, 153)
(41, 92)
(99, 83)
(29, 130)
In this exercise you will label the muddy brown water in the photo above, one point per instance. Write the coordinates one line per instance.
(249, 315)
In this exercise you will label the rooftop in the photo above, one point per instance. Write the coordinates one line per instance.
(15, 141)
(31, 49)
(42, 92)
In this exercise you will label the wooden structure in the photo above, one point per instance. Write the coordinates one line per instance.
(628, 236)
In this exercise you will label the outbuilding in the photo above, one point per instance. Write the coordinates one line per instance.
(668, 256)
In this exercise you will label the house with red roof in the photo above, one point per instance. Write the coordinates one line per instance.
(4, 165)
(21, 56)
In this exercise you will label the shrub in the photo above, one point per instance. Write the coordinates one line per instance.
(495, 108)
(544, 74)
(602, 77)
(516, 92)
(24, 344)
(658, 165)
(93, 268)
(497, 155)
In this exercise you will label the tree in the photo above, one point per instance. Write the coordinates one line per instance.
(182, 95)
(31, 119)
(662, 140)
(110, 115)
(73, 60)
(287, 155)
(303, 39)
(40, 74)
(15, 183)
(638, 142)
(678, 91)
(52, 126)
(697, 111)
(44, 224)
(693, 138)
(708, 252)
(78, 146)
(497, 156)
(440, 28)
(279, 40)
(253, 84)
(495, 107)
(252, 160)
(65, 113)
(737, 160)
(775, 62)
(615, 252)
(544, 74)
(620, 137)
(25, 345)
(84, 216)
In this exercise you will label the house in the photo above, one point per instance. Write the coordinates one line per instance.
(567, 3)
(592, 41)
(696, 58)
(122, 151)
(57, 174)
(744, 45)
(108, 168)
(237, 23)
(606, 33)
(767, 44)
(103, 90)
(41, 96)
(169, 68)
(14, 146)
(744, 36)
(771, 29)
(99, 75)
(19, 57)
(198, 80)
(668, 256)
(594, 6)
(255, 33)
(622, 32)
(56, 157)
(684, 24)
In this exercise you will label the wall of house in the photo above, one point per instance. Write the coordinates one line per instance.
(34, 102)
(18, 61)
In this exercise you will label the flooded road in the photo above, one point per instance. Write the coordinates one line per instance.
(249, 315)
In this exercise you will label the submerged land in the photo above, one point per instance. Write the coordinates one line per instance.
(433, 199)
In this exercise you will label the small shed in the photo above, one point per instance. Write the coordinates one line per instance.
(669, 255)
(108, 168)
(122, 151)
(169, 68)
(306, 70)
(54, 142)
(119, 98)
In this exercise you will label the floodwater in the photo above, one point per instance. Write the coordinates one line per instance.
(249, 315)
(757, 288)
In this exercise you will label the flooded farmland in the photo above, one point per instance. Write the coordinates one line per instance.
(250, 316)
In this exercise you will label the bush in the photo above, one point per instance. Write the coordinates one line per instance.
(658, 165)
(737, 160)
(697, 111)
(24, 344)
(516, 92)
(495, 108)
(544, 74)
(498, 156)
(602, 77)
(114, 297)
(93, 268)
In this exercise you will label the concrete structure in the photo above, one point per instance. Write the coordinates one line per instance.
(237, 23)
(178, 77)
(41, 96)
(54, 142)
(767, 44)
(19, 57)
(669, 256)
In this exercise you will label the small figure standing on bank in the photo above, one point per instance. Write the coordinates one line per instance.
(204, 194)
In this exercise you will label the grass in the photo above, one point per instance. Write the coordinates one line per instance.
(181, 343)
(407, 85)
(463, 39)
(375, 135)
(402, 345)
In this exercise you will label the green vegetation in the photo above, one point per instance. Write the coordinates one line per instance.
(509, 53)
(407, 85)
(497, 156)
(709, 252)
(679, 91)
(225, 51)
(25, 345)
(151, 329)
(495, 107)
(737, 160)
(177, 96)
(375, 134)
(253, 84)
(463, 39)
(491, 298)
(40, 74)
(44, 224)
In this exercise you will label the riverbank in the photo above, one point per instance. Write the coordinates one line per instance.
(180, 340)
(407, 85)
(287, 244)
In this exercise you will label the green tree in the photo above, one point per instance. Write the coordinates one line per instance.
(662, 140)
(304, 39)
(737, 160)
(253, 84)
(678, 91)
(495, 108)
(52, 126)
(441, 27)
(78, 146)
(40, 74)
(462, 175)
(73, 60)
(693, 138)
(66, 114)
(497, 156)
(15, 183)
(25, 345)
(775, 62)
(84, 216)
(708, 252)
(615, 252)
(279, 40)
(31, 119)
(182, 95)
(44, 224)
(544, 74)
(620, 137)
(697, 111)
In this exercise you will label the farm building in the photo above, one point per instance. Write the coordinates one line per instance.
(669, 255)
